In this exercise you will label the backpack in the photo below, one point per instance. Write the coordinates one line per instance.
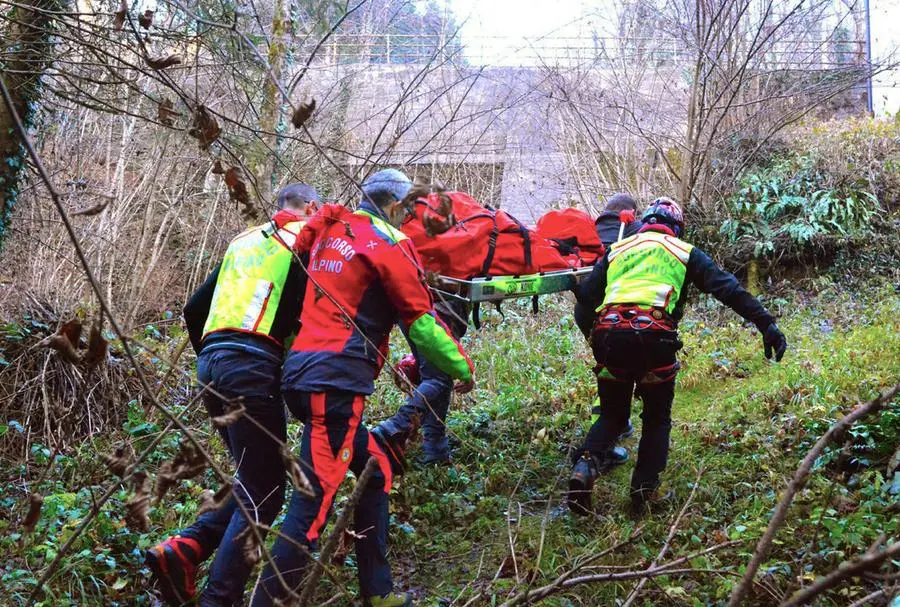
(575, 233)
(458, 237)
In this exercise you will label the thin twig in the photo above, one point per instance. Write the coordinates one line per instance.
(797, 483)
(673, 529)
(868, 562)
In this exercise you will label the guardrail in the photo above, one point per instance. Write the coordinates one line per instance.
(400, 49)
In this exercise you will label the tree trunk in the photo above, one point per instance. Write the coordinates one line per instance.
(26, 53)
(271, 110)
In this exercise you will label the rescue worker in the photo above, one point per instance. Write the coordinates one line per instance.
(429, 399)
(365, 275)
(238, 322)
(638, 291)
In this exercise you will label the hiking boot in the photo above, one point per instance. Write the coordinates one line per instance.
(393, 446)
(581, 484)
(614, 457)
(435, 452)
(628, 432)
(394, 599)
(427, 459)
(644, 501)
(174, 567)
(585, 472)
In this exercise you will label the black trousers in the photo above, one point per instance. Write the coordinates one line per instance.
(626, 358)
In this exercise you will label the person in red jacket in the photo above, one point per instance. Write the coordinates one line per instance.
(364, 276)
(239, 321)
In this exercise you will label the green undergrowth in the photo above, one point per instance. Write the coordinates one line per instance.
(495, 521)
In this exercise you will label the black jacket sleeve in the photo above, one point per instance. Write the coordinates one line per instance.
(707, 276)
(287, 316)
(590, 294)
(196, 310)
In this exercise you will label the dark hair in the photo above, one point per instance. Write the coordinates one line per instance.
(380, 198)
(621, 202)
(296, 195)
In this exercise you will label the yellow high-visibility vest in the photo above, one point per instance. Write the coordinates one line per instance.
(251, 279)
(647, 270)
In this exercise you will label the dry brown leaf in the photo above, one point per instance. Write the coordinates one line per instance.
(507, 568)
(138, 506)
(188, 463)
(65, 340)
(205, 129)
(146, 20)
(295, 473)
(72, 331)
(217, 168)
(92, 210)
(119, 19)
(35, 502)
(63, 347)
(221, 421)
(164, 481)
(97, 347)
(232, 177)
(303, 113)
(345, 544)
(162, 63)
(165, 112)
(237, 191)
(120, 459)
(210, 501)
(251, 548)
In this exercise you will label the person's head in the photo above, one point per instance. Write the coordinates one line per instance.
(665, 211)
(621, 202)
(386, 190)
(297, 197)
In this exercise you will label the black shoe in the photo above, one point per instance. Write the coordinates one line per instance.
(393, 446)
(581, 484)
(628, 432)
(614, 457)
(645, 501)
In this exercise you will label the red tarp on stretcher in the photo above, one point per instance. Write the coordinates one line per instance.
(482, 241)
(575, 231)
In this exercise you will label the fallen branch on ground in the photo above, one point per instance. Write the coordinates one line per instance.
(673, 529)
(868, 562)
(565, 581)
(797, 483)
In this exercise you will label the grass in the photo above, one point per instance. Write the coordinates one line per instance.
(497, 512)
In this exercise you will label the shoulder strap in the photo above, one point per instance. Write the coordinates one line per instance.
(492, 249)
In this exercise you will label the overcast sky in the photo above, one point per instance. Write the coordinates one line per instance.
(496, 30)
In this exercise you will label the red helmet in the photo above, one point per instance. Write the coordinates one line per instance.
(665, 210)
(408, 371)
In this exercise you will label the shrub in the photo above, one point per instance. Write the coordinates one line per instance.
(836, 181)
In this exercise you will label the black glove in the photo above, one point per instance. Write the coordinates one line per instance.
(773, 339)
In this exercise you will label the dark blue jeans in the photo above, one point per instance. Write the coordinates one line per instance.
(430, 402)
(334, 440)
(260, 478)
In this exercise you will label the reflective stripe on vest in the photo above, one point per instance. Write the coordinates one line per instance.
(251, 279)
(647, 269)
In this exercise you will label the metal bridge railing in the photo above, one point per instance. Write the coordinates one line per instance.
(399, 49)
